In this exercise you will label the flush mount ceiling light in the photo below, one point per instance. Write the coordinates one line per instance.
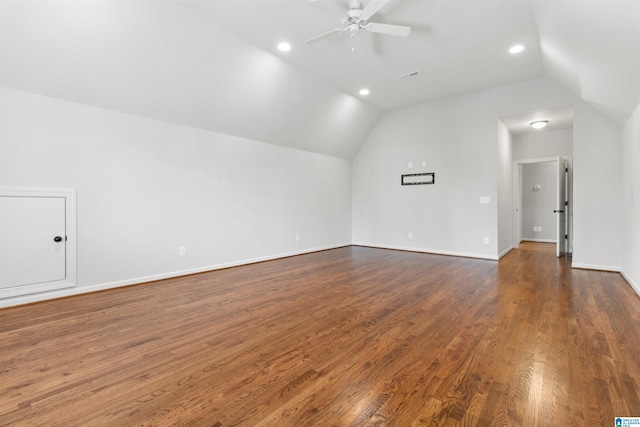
(284, 47)
(364, 92)
(539, 124)
(516, 49)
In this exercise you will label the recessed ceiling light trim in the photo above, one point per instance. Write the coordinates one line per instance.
(539, 124)
(284, 47)
(364, 92)
(516, 49)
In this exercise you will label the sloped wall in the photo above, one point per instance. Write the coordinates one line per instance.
(146, 187)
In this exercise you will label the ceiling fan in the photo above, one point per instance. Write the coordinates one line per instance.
(356, 18)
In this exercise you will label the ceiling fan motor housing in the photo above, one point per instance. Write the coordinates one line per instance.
(356, 19)
(355, 10)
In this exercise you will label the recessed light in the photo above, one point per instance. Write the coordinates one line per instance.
(516, 49)
(284, 47)
(364, 92)
(539, 124)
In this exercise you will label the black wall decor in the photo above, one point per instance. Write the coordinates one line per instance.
(418, 178)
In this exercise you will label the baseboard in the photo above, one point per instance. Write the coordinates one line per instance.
(595, 267)
(28, 299)
(506, 251)
(428, 251)
(634, 285)
(526, 239)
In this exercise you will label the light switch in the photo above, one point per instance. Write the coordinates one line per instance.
(485, 200)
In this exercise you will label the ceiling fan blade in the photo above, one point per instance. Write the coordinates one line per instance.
(392, 30)
(335, 8)
(372, 8)
(324, 36)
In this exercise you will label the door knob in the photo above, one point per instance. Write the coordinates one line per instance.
(57, 239)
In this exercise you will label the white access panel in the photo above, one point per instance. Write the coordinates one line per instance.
(36, 254)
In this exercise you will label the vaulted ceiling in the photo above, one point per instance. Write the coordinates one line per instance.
(214, 64)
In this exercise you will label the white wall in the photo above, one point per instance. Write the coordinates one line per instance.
(631, 200)
(146, 187)
(537, 145)
(445, 217)
(597, 182)
(538, 204)
(457, 136)
(505, 192)
(162, 60)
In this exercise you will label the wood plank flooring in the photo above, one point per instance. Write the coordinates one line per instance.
(348, 337)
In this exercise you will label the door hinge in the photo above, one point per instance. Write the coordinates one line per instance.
(566, 236)
(566, 203)
(566, 169)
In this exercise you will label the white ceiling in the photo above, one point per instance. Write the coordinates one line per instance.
(213, 64)
(456, 46)
(558, 118)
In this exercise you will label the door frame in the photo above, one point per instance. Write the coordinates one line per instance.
(517, 197)
(70, 228)
(562, 208)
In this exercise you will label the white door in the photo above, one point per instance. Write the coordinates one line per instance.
(37, 242)
(561, 209)
(33, 240)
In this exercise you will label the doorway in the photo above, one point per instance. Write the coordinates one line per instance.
(543, 203)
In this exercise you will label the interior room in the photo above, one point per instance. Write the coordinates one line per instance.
(323, 212)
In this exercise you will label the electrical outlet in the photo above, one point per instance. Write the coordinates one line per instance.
(182, 251)
(486, 240)
(410, 234)
(539, 229)
(424, 163)
(297, 237)
(410, 165)
(535, 228)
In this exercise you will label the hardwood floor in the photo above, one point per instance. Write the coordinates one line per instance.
(348, 337)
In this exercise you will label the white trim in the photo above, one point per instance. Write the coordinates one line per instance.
(506, 251)
(538, 160)
(70, 280)
(595, 267)
(429, 251)
(27, 299)
(526, 239)
(634, 286)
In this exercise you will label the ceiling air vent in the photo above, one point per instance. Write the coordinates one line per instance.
(409, 75)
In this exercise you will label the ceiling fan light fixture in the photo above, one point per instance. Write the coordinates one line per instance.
(516, 49)
(539, 124)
